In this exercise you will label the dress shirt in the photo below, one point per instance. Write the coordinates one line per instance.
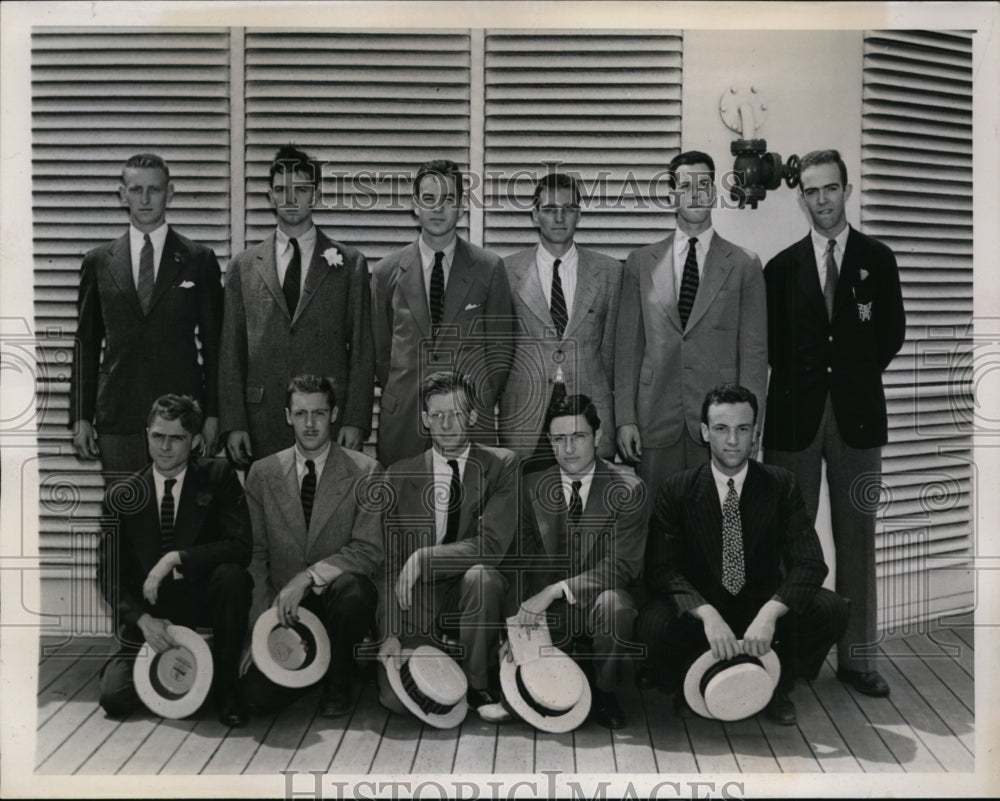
(681, 252)
(319, 462)
(158, 481)
(427, 262)
(819, 247)
(442, 488)
(567, 274)
(283, 253)
(136, 239)
(722, 482)
(567, 488)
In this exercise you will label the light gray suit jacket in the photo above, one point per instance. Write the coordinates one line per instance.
(662, 372)
(586, 351)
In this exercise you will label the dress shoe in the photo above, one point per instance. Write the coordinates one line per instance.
(605, 710)
(232, 711)
(488, 705)
(866, 683)
(681, 707)
(781, 708)
(335, 702)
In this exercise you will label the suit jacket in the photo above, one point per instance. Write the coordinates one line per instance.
(486, 523)
(345, 527)
(211, 527)
(781, 552)
(811, 356)
(662, 372)
(145, 355)
(263, 346)
(586, 351)
(474, 338)
(605, 552)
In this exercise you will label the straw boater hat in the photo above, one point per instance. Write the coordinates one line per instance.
(550, 692)
(427, 681)
(731, 689)
(295, 656)
(175, 683)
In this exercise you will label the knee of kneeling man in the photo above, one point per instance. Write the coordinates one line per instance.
(615, 603)
(482, 576)
(230, 574)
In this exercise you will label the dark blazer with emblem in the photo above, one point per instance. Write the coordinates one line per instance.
(263, 346)
(145, 355)
(211, 527)
(474, 339)
(811, 356)
(781, 552)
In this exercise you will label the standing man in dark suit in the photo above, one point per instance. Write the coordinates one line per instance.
(566, 302)
(581, 539)
(296, 303)
(449, 521)
(317, 539)
(439, 303)
(734, 557)
(144, 295)
(177, 555)
(692, 315)
(836, 319)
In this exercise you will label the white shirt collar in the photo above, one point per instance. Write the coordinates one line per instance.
(567, 261)
(585, 481)
(441, 465)
(307, 239)
(157, 237)
(704, 240)
(319, 461)
(159, 480)
(722, 480)
(819, 240)
(427, 252)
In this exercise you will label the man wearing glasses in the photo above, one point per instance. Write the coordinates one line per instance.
(582, 535)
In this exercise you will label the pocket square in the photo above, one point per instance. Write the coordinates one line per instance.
(472, 306)
(185, 285)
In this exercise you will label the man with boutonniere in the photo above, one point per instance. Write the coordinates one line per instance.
(296, 303)
(835, 321)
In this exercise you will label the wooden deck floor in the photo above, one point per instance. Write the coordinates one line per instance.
(927, 725)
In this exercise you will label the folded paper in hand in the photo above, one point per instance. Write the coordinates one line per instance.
(527, 642)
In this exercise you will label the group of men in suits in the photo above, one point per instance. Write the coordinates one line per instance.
(555, 337)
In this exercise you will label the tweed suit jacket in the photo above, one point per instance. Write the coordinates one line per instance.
(345, 527)
(663, 371)
(263, 346)
(474, 338)
(781, 552)
(586, 351)
(145, 355)
(211, 527)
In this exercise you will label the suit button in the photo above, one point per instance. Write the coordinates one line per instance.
(829, 369)
(830, 338)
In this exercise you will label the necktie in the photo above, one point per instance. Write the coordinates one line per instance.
(732, 542)
(308, 490)
(454, 503)
(167, 517)
(560, 317)
(293, 278)
(437, 290)
(575, 504)
(146, 277)
(830, 284)
(689, 282)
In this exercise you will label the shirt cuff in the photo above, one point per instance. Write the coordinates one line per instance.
(567, 593)
(317, 582)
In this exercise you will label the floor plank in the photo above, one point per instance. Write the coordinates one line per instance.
(554, 752)
(284, 737)
(360, 741)
(789, 746)
(157, 749)
(52, 668)
(80, 745)
(821, 735)
(966, 633)
(475, 751)
(64, 721)
(515, 748)
(966, 657)
(711, 747)
(750, 747)
(398, 747)
(198, 748)
(951, 675)
(672, 748)
(594, 751)
(436, 752)
(68, 685)
(633, 749)
(120, 746)
(320, 742)
(239, 747)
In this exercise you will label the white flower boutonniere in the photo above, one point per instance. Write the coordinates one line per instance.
(862, 274)
(333, 257)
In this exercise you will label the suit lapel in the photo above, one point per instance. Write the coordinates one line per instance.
(120, 269)
(529, 288)
(316, 275)
(411, 284)
(659, 272)
(718, 264)
(551, 517)
(587, 279)
(334, 486)
(807, 284)
(849, 269)
(173, 260)
(753, 509)
(268, 272)
(285, 489)
(460, 281)
(186, 522)
(707, 518)
(472, 488)
(594, 513)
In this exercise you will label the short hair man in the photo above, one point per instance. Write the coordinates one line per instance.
(439, 302)
(835, 321)
(450, 521)
(143, 295)
(566, 301)
(692, 315)
(583, 521)
(176, 556)
(734, 563)
(316, 542)
(296, 303)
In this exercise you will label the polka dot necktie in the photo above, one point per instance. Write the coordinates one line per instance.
(732, 542)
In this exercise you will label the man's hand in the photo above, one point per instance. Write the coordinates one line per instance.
(210, 436)
(408, 576)
(159, 571)
(351, 437)
(238, 448)
(85, 440)
(720, 637)
(531, 611)
(629, 442)
(759, 635)
(154, 629)
(291, 596)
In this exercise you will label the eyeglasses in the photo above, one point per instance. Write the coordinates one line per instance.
(577, 438)
(439, 417)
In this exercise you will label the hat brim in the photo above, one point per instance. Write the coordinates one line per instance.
(692, 681)
(448, 720)
(148, 687)
(302, 677)
(556, 723)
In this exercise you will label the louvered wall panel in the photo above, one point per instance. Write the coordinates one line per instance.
(605, 106)
(373, 105)
(916, 182)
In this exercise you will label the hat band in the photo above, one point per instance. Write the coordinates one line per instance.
(427, 705)
(542, 710)
(725, 664)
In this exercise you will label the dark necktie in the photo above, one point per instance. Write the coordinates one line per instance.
(167, 517)
(830, 284)
(732, 542)
(575, 504)
(437, 290)
(689, 283)
(560, 317)
(454, 504)
(308, 490)
(146, 276)
(293, 278)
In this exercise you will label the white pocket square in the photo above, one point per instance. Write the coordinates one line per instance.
(185, 284)
(472, 306)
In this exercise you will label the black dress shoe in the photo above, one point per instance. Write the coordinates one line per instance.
(681, 707)
(232, 711)
(335, 702)
(781, 708)
(606, 710)
(866, 683)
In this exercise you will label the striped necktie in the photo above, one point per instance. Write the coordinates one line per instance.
(147, 275)
(167, 517)
(437, 290)
(689, 282)
(830, 284)
(308, 490)
(560, 317)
